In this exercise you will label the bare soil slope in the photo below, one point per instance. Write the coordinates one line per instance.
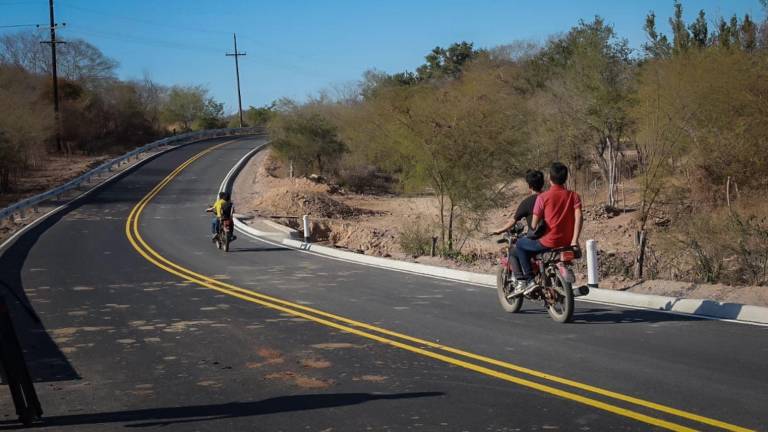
(372, 225)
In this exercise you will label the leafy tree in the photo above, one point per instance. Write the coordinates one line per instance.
(77, 60)
(441, 63)
(26, 122)
(184, 105)
(447, 62)
(306, 138)
(439, 136)
(699, 31)
(658, 45)
(681, 39)
(748, 34)
(260, 116)
(212, 115)
(584, 101)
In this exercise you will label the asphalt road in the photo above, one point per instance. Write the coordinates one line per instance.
(190, 342)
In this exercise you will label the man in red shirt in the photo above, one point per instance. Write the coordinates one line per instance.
(560, 210)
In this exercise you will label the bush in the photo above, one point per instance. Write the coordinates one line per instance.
(719, 245)
(415, 239)
(365, 180)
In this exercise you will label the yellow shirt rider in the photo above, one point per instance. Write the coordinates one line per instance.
(219, 208)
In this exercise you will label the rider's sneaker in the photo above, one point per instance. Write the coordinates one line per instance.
(213, 239)
(530, 286)
(518, 290)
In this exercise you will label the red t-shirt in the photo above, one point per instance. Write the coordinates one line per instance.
(557, 207)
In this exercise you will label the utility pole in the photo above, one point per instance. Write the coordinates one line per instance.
(54, 75)
(237, 54)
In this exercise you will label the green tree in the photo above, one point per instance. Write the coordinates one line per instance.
(26, 123)
(658, 45)
(681, 39)
(192, 107)
(748, 34)
(260, 116)
(583, 104)
(212, 115)
(440, 135)
(699, 31)
(447, 62)
(305, 138)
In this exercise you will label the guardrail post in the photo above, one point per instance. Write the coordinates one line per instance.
(592, 267)
(305, 219)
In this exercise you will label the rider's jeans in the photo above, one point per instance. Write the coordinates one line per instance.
(526, 249)
(514, 264)
(215, 225)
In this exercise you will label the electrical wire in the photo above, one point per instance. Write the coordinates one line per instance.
(18, 25)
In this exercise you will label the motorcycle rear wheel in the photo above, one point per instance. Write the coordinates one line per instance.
(226, 241)
(562, 310)
(503, 288)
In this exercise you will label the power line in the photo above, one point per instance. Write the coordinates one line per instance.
(18, 25)
(88, 31)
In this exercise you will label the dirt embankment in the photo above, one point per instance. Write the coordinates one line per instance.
(52, 172)
(372, 224)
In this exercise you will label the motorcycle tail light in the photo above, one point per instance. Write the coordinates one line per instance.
(567, 256)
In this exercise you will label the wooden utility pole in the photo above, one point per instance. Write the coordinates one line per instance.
(54, 75)
(237, 54)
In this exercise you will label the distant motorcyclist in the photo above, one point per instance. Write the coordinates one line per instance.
(222, 210)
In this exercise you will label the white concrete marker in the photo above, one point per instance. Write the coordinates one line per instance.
(306, 228)
(592, 273)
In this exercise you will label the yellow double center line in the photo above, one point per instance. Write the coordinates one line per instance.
(443, 353)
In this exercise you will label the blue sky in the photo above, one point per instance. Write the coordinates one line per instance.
(296, 48)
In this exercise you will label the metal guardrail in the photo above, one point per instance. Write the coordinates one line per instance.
(176, 140)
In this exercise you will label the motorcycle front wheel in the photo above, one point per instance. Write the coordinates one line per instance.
(503, 288)
(561, 309)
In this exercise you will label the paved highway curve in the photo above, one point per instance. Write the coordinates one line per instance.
(147, 324)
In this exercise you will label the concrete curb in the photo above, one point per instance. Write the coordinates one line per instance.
(699, 308)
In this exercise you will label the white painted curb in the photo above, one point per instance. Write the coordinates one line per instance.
(709, 309)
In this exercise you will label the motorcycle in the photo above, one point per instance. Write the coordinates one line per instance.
(225, 234)
(553, 274)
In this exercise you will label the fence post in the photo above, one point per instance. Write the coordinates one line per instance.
(592, 267)
(305, 219)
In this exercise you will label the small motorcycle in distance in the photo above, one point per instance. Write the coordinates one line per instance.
(224, 236)
(553, 274)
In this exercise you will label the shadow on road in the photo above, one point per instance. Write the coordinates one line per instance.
(626, 316)
(153, 417)
(45, 360)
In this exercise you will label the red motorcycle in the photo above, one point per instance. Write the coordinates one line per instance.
(553, 274)
(225, 233)
(224, 236)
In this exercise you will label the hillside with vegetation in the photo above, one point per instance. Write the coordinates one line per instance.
(100, 115)
(671, 140)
